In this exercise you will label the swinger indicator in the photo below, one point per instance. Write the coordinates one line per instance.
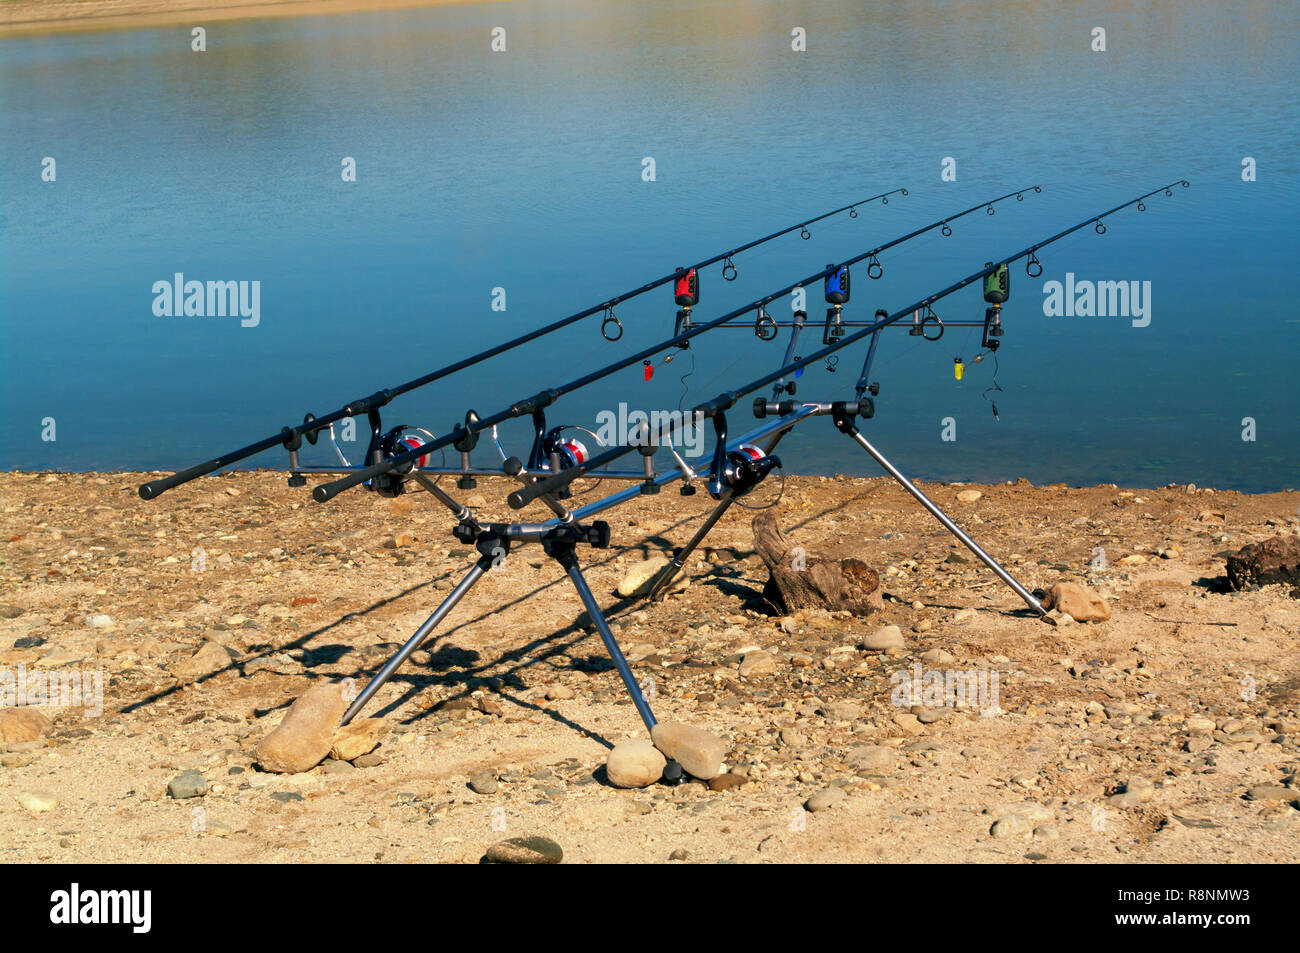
(958, 368)
(647, 369)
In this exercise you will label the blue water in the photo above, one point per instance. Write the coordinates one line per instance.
(522, 170)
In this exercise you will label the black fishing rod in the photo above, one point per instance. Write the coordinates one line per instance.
(462, 434)
(291, 437)
(720, 404)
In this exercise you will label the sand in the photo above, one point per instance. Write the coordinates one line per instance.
(1189, 695)
(19, 17)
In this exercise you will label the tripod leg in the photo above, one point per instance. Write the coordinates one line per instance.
(422, 633)
(948, 524)
(669, 572)
(569, 561)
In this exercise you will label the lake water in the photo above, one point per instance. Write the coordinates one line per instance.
(523, 170)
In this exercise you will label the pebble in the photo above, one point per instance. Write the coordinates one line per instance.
(1013, 825)
(885, 638)
(335, 766)
(825, 799)
(374, 759)
(211, 658)
(634, 763)
(557, 692)
(10, 612)
(358, 738)
(636, 581)
(698, 752)
(187, 784)
(38, 802)
(1270, 792)
(873, 759)
(968, 496)
(19, 725)
(525, 850)
(841, 711)
(757, 663)
(484, 782)
(727, 782)
(99, 621)
(938, 657)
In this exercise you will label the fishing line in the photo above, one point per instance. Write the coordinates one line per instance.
(993, 387)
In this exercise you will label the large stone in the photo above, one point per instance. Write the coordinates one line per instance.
(305, 736)
(1276, 559)
(1077, 601)
(18, 725)
(358, 738)
(885, 638)
(698, 752)
(213, 657)
(637, 580)
(634, 763)
(525, 850)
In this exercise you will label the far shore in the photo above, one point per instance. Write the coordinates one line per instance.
(26, 17)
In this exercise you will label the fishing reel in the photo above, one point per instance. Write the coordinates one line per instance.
(554, 452)
(400, 439)
(997, 291)
(744, 468)
(736, 472)
(836, 291)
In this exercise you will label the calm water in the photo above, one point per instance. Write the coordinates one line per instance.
(523, 170)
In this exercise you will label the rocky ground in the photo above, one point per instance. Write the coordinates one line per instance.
(1169, 733)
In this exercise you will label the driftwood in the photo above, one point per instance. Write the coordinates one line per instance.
(802, 580)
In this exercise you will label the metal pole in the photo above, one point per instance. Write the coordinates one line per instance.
(948, 524)
(476, 572)
(569, 561)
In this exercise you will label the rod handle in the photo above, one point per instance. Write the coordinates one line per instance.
(155, 488)
(526, 494)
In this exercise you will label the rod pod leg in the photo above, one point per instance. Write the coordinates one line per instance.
(384, 674)
(674, 567)
(670, 572)
(847, 426)
(565, 556)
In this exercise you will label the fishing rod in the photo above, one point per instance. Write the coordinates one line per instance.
(717, 407)
(463, 434)
(735, 471)
(687, 281)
